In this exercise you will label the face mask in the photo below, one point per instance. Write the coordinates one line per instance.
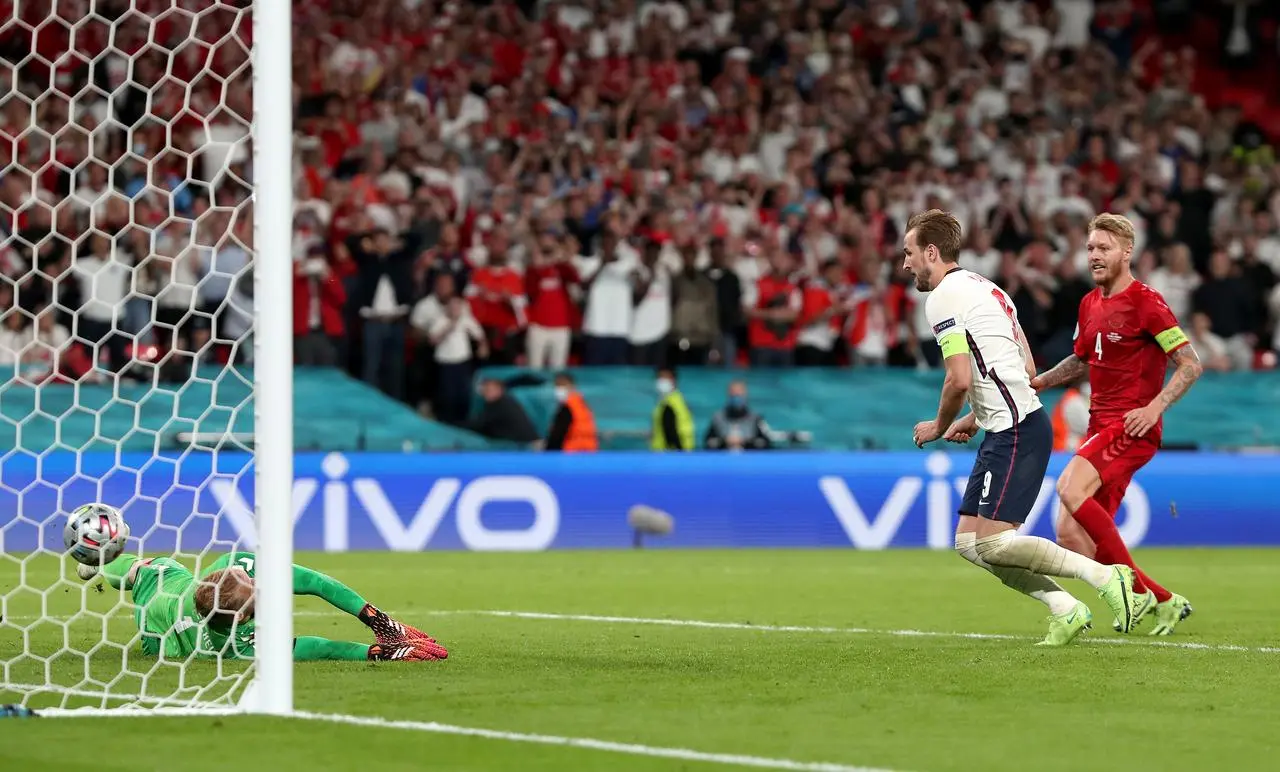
(665, 386)
(562, 393)
(737, 402)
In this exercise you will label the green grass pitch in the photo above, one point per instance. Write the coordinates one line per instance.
(862, 695)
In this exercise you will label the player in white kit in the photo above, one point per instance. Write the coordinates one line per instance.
(988, 363)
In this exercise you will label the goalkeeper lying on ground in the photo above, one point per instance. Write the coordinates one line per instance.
(179, 615)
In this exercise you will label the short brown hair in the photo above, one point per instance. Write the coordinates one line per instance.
(222, 595)
(938, 229)
(1116, 224)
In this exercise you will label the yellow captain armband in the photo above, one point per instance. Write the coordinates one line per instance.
(1171, 338)
(954, 344)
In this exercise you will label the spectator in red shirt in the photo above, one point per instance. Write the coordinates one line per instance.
(497, 300)
(821, 317)
(550, 282)
(772, 329)
(1100, 162)
(318, 299)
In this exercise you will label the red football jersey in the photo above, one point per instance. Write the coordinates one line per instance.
(1126, 339)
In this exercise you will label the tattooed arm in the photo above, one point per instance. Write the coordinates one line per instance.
(1069, 370)
(1188, 371)
(1140, 421)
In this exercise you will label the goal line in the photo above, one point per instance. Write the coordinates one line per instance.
(433, 727)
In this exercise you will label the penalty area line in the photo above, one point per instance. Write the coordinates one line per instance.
(587, 743)
(745, 626)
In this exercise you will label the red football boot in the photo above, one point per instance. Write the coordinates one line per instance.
(388, 631)
(407, 652)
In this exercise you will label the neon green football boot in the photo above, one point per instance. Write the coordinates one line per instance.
(1118, 593)
(1169, 614)
(1143, 604)
(1065, 628)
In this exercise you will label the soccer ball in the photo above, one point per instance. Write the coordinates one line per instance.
(95, 534)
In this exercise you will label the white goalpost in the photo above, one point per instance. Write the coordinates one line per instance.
(273, 483)
(146, 337)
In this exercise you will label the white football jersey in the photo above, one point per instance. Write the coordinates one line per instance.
(967, 305)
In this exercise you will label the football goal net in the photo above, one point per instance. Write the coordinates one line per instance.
(145, 340)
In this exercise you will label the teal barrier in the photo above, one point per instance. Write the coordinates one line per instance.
(842, 409)
(331, 412)
(873, 408)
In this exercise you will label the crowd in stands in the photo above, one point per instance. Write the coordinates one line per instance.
(660, 183)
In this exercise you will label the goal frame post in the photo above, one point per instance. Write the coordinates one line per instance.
(272, 136)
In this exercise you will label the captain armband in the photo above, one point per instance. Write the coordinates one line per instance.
(1171, 338)
(954, 344)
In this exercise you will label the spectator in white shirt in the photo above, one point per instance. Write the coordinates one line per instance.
(980, 257)
(220, 268)
(1176, 280)
(45, 348)
(1074, 17)
(422, 376)
(138, 311)
(651, 321)
(457, 338)
(169, 276)
(674, 14)
(1211, 348)
(607, 320)
(105, 276)
(1265, 244)
(15, 336)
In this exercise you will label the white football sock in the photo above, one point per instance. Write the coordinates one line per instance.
(1009, 548)
(1033, 585)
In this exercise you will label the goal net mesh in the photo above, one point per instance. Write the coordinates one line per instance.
(125, 327)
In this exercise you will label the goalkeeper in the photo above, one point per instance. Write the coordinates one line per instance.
(179, 616)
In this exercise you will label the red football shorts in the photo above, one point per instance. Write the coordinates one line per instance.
(1117, 456)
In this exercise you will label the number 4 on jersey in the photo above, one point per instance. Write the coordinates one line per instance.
(1097, 346)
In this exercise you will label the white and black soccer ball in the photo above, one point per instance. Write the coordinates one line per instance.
(95, 534)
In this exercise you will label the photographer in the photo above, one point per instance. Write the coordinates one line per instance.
(735, 426)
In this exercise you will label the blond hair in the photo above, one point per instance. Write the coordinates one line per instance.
(1117, 225)
(222, 595)
(939, 229)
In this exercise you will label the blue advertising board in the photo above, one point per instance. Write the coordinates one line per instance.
(524, 501)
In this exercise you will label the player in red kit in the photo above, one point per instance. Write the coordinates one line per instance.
(1124, 337)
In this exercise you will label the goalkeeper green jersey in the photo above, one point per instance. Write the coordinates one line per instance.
(163, 594)
(163, 591)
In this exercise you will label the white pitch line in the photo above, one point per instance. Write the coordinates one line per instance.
(155, 703)
(585, 743)
(704, 624)
(73, 692)
(588, 743)
(136, 712)
(1141, 640)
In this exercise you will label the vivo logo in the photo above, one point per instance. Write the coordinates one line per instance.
(878, 531)
(467, 501)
